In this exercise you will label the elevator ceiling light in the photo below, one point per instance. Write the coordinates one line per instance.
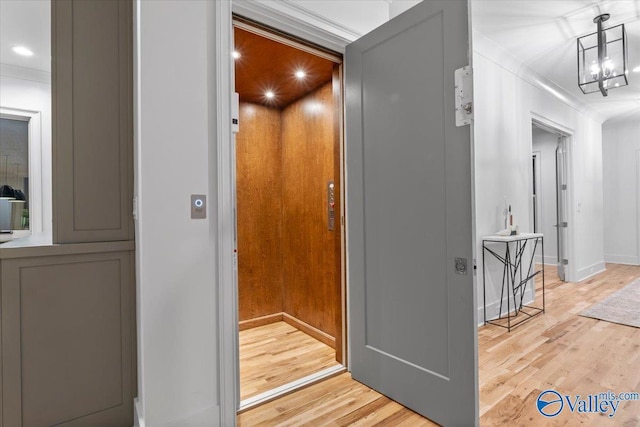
(21, 50)
(236, 54)
(602, 58)
(269, 94)
(301, 74)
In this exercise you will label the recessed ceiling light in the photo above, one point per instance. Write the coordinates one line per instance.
(21, 50)
(236, 54)
(269, 94)
(300, 74)
(637, 69)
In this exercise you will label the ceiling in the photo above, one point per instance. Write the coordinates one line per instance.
(542, 35)
(26, 23)
(266, 65)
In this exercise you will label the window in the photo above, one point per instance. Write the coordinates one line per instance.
(14, 173)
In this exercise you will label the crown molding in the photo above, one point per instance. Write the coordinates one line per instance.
(31, 74)
(287, 16)
(484, 46)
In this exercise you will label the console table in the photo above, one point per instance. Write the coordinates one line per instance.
(511, 252)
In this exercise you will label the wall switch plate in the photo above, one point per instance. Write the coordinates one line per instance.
(198, 206)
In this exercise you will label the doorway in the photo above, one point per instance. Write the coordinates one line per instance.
(549, 198)
(289, 238)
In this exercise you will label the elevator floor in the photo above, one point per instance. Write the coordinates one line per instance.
(277, 354)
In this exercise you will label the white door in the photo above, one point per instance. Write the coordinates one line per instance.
(561, 205)
(413, 326)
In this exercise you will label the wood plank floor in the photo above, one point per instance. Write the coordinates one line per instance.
(558, 350)
(563, 351)
(276, 354)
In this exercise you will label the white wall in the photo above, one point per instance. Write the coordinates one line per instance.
(621, 165)
(176, 274)
(27, 89)
(545, 144)
(396, 7)
(506, 99)
(176, 258)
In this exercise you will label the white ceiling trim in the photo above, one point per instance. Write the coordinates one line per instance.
(352, 33)
(31, 74)
(487, 48)
(305, 24)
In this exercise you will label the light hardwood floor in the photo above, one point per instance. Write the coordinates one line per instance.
(276, 354)
(559, 350)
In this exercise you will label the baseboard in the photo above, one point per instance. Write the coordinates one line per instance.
(260, 321)
(296, 323)
(590, 271)
(137, 420)
(492, 308)
(622, 259)
(209, 416)
(310, 330)
(548, 260)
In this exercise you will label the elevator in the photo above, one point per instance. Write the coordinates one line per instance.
(289, 216)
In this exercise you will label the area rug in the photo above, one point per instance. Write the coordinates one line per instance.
(621, 307)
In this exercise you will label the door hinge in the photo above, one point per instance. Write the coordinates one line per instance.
(463, 78)
(565, 262)
(135, 209)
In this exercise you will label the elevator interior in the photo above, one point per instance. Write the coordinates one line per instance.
(288, 208)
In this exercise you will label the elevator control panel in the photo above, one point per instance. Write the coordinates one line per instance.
(331, 205)
(235, 113)
(198, 206)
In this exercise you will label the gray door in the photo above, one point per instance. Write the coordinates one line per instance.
(413, 326)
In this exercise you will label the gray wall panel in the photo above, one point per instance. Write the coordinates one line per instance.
(67, 340)
(92, 120)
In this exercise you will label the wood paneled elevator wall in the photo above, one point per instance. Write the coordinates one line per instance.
(288, 259)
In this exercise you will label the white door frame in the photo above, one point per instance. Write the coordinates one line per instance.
(294, 20)
(638, 206)
(538, 205)
(560, 129)
(36, 183)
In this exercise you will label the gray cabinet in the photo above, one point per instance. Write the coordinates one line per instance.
(67, 319)
(92, 120)
(68, 341)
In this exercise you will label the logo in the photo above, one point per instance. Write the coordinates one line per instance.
(550, 403)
